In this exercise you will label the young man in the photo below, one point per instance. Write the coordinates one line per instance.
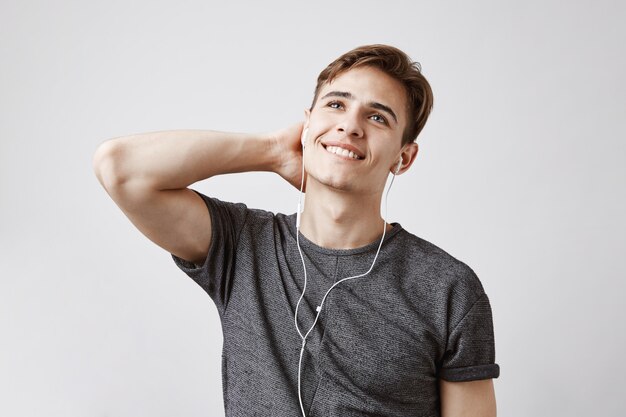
(408, 334)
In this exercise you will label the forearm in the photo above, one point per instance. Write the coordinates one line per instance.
(175, 159)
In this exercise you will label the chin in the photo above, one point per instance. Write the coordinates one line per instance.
(337, 183)
(338, 178)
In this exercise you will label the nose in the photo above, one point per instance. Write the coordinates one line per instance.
(350, 125)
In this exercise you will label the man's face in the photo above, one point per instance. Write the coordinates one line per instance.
(362, 111)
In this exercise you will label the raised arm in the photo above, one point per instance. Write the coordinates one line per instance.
(147, 176)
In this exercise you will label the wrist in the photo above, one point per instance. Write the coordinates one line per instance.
(271, 145)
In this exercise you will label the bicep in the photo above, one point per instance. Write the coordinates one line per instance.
(467, 399)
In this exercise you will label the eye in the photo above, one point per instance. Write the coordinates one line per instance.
(335, 104)
(378, 118)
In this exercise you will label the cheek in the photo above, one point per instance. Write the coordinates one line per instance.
(310, 155)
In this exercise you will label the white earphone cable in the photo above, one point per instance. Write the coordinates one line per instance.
(319, 308)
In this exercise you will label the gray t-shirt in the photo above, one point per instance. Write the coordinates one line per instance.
(381, 342)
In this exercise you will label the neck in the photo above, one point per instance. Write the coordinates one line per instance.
(341, 220)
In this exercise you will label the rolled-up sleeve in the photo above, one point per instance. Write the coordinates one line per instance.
(470, 349)
(216, 273)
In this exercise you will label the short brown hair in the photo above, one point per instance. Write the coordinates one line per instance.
(399, 66)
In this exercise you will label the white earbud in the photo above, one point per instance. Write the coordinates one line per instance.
(398, 167)
(303, 138)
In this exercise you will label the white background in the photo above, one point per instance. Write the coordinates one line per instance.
(520, 175)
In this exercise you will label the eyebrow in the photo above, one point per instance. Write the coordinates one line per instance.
(372, 104)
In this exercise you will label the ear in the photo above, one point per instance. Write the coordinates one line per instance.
(408, 155)
(307, 116)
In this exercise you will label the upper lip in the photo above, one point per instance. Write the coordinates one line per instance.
(342, 145)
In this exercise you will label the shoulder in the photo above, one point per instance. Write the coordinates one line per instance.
(436, 266)
(240, 210)
(435, 278)
(254, 223)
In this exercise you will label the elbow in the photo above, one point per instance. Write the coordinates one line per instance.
(106, 163)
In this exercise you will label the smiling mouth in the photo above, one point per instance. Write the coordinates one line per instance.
(342, 152)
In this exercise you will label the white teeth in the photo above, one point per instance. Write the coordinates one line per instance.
(342, 152)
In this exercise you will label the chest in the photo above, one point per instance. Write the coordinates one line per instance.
(379, 341)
